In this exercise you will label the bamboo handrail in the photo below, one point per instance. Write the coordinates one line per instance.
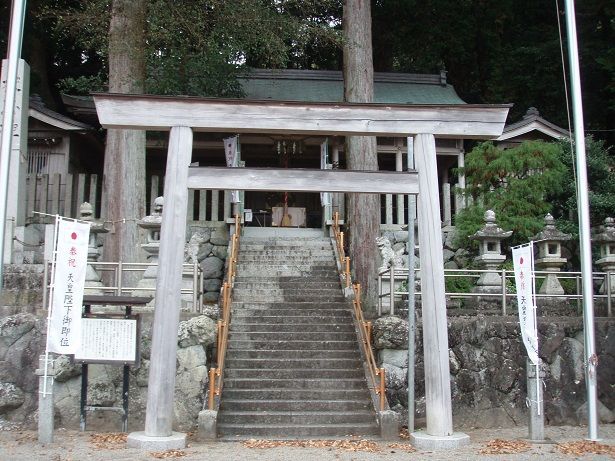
(365, 328)
(215, 374)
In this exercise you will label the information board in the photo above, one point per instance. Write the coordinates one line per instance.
(108, 340)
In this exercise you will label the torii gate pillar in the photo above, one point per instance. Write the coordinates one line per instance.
(158, 432)
(439, 433)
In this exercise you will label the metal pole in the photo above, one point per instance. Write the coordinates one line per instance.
(609, 311)
(411, 316)
(591, 360)
(504, 292)
(14, 52)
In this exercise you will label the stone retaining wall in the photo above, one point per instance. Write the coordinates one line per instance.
(22, 340)
(488, 377)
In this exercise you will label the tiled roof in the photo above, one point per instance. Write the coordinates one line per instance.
(44, 114)
(532, 121)
(328, 86)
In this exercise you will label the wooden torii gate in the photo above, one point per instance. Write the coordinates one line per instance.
(183, 115)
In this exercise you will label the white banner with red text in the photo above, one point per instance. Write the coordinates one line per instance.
(523, 261)
(71, 259)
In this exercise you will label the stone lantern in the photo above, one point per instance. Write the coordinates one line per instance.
(92, 278)
(490, 254)
(549, 243)
(152, 224)
(606, 263)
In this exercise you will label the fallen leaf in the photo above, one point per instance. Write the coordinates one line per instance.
(402, 446)
(585, 447)
(109, 441)
(167, 454)
(348, 445)
(504, 447)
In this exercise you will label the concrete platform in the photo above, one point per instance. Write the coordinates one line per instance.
(424, 441)
(175, 441)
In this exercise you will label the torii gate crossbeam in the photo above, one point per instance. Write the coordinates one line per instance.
(183, 115)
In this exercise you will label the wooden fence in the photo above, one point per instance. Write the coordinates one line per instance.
(63, 194)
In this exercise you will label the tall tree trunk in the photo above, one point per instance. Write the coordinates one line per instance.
(363, 211)
(124, 169)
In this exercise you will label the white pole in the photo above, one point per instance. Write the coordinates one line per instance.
(14, 52)
(584, 226)
(534, 307)
(51, 297)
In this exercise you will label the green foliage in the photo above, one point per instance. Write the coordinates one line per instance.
(512, 182)
(199, 47)
(83, 84)
(601, 180)
(459, 284)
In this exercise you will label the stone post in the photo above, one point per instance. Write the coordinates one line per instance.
(45, 400)
(490, 257)
(536, 423)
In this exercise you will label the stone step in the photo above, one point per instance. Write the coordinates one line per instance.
(264, 305)
(327, 275)
(289, 298)
(292, 373)
(291, 312)
(295, 405)
(315, 268)
(331, 392)
(251, 317)
(291, 345)
(252, 271)
(285, 251)
(283, 258)
(296, 418)
(298, 291)
(293, 328)
(285, 432)
(295, 354)
(277, 364)
(295, 284)
(279, 337)
(284, 245)
(297, 385)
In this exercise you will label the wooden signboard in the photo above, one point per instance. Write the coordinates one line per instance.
(109, 340)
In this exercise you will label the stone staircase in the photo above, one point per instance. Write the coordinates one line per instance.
(293, 367)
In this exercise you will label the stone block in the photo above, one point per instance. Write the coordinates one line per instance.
(208, 426)
(212, 267)
(424, 441)
(220, 251)
(65, 369)
(389, 425)
(211, 297)
(212, 284)
(390, 332)
(198, 330)
(11, 397)
(396, 357)
(175, 441)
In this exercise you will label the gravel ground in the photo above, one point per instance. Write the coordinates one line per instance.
(21, 445)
